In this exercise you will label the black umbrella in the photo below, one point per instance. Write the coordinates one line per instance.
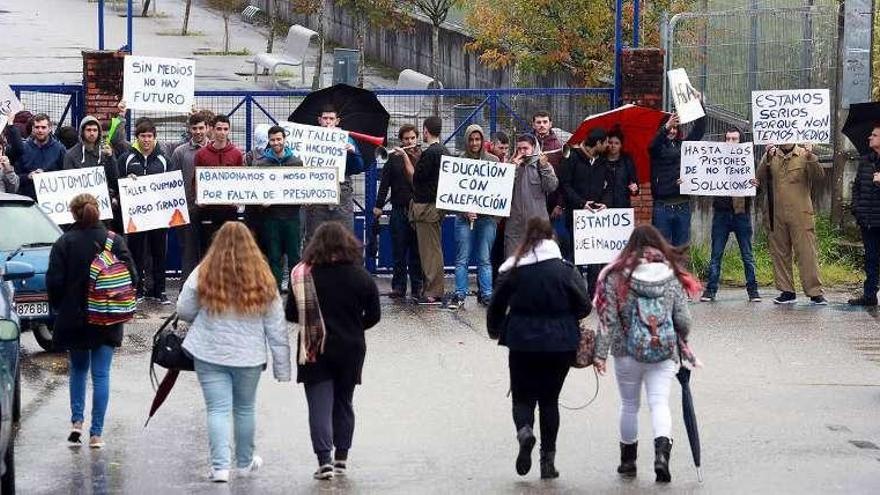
(690, 417)
(360, 111)
(859, 124)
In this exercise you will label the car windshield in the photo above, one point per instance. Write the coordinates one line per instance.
(22, 224)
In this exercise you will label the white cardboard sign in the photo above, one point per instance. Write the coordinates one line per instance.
(9, 105)
(153, 202)
(159, 84)
(791, 116)
(600, 236)
(717, 169)
(56, 189)
(318, 146)
(267, 186)
(475, 186)
(685, 97)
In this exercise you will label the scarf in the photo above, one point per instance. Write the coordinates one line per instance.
(312, 331)
(545, 250)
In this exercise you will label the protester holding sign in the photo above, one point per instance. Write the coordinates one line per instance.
(731, 215)
(143, 159)
(91, 151)
(672, 210)
(183, 159)
(41, 152)
(788, 172)
(471, 228)
(534, 180)
(315, 215)
(219, 153)
(280, 229)
(866, 209)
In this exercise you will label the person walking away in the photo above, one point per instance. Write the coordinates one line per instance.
(423, 212)
(280, 224)
(585, 185)
(141, 160)
(472, 229)
(220, 152)
(731, 214)
(404, 245)
(315, 215)
(89, 347)
(183, 159)
(672, 210)
(334, 300)
(534, 180)
(549, 144)
(235, 313)
(622, 181)
(788, 172)
(41, 152)
(648, 276)
(866, 210)
(535, 313)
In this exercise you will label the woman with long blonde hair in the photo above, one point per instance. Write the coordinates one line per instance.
(235, 309)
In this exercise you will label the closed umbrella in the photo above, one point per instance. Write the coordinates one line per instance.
(690, 417)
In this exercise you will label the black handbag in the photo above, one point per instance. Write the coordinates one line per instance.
(168, 349)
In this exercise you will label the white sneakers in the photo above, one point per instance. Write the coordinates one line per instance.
(222, 475)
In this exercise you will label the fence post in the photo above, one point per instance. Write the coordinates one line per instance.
(248, 123)
(493, 113)
(100, 24)
(636, 22)
(618, 45)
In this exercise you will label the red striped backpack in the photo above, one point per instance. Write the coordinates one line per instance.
(111, 297)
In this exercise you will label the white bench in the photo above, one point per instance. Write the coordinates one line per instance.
(293, 54)
(409, 107)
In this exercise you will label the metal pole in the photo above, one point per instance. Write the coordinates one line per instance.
(807, 46)
(753, 48)
(618, 47)
(637, 7)
(129, 26)
(493, 114)
(100, 24)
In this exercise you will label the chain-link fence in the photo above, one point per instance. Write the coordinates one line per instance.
(63, 104)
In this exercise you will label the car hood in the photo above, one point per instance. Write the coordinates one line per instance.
(38, 258)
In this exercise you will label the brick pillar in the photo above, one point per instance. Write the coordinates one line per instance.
(642, 84)
(102, 80)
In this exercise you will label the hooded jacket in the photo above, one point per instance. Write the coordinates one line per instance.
(483, 154)
(539, 300)
(865, 193)
(83, 156)
(649, 279)
(31, 156)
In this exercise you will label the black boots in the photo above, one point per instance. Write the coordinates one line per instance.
(526, 439)
(548, 468)
(662, 449)
(628, 454)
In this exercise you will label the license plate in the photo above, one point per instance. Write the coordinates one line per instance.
(32, 309)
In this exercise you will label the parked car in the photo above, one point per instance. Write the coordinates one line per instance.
(10, 377)
(28, 236)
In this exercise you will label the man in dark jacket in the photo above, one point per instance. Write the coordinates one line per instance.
(41, 152)
(731, 215)
(866, 209)
(146, 159)
(672, 210)
(404, 245)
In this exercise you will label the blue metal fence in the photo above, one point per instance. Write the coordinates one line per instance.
(507, 109)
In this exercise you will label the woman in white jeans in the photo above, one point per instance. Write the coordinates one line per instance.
(235, 309)
(651, 271)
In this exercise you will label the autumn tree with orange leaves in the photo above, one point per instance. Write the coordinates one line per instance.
(546, 36)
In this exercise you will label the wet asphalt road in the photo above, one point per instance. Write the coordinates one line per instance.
(788, 403)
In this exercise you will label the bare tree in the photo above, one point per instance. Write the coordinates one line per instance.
(374, 12)
(436, 11)
(186, 17)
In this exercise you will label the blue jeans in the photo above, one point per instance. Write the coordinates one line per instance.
(673, 221)
(81, 362)
(564, 235)
(483, 234)
(405, 251)
(723, 223)
(230, 392)
(871, 239)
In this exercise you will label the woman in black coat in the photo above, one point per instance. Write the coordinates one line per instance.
(331, 350)
(90, 347)
(535, 312)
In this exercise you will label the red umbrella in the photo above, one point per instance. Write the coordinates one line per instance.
(639, 126)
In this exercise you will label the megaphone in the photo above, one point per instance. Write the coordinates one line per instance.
(366, 138)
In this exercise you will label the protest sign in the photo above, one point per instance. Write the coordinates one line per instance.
(159, 84)
(600, 236)
(267, 186)
(475, 186)
(9, 105)
(791, 116)
(318, 146)
(717, 169)
(685, 97)
(56, 189)
(153, 202)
